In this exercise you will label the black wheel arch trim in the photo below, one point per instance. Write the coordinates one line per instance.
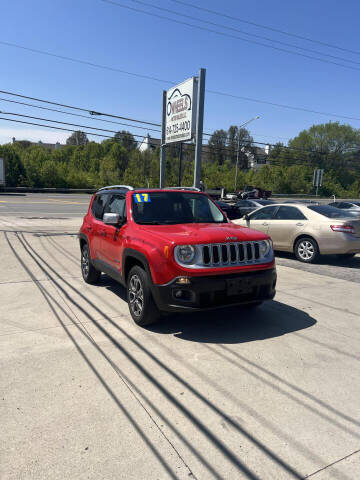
(140, 257)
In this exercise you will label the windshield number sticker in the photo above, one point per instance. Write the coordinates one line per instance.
(142, 198)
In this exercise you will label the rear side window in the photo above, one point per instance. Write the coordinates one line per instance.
(265, 213)
(98, 206)
(289, 213)
(329, 212)
(345, 205)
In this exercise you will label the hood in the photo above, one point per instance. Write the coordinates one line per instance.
(197, 233)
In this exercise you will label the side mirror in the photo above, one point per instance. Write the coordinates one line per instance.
(246, 217)
(112, 219)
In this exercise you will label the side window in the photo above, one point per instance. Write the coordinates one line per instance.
(265, 213)
(244, 203)
(289, 213)
(335, 204)
(345, 205)
(98, 206)
(116, 205)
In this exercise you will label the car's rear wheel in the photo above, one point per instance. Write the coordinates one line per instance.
(306, 250)
(89, 272)
(141, 303)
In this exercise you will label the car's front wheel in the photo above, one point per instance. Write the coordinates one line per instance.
(89, 272)
(141, 303)
(306, 250)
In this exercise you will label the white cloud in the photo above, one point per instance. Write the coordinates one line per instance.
(34, 135)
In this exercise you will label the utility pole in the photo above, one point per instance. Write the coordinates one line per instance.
(163, 146)
(199, 126)
(238, 149)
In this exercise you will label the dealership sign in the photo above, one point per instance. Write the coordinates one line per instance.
(180, 118)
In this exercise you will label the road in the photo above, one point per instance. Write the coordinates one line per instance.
(231, 394)
(25, 205)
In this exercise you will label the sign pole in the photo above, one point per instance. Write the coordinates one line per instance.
(162, 146)
(180, 162)
(199, 126)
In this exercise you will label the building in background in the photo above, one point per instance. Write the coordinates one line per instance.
(258, 157)
(149, 143)
(51, 146)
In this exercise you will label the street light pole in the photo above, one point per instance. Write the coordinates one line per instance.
(238, 149)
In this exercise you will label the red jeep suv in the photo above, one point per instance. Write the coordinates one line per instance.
(174, 250)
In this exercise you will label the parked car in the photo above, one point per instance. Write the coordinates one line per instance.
(254, 192)
(307, 230)
(247, 206)
(174, 251)
(230, 210)
(350, 207)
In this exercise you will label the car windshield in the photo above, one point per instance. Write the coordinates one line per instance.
(329, 212)
(170, 208)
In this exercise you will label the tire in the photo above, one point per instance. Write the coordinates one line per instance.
(141, 303)
(89, 272)
(306, 250)
(346, 256)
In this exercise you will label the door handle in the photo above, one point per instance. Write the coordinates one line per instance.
(103, 233)
(265, 224)
(299, 224)
(89, 229)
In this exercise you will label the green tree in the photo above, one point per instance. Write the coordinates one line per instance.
(77, 138)
(126, 140)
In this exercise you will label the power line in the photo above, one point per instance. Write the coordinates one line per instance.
(64, 123)
(206, 148)
(51, 126)
(77, 115)
(214, 92)
(227, 27)
(206, 29)
(266, 27)
(76, 108)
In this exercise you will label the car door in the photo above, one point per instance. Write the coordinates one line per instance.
(97, 227)
(284, 227)
(112, 240)
(260, 219)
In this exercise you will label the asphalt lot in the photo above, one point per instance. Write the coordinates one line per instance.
(231, 394)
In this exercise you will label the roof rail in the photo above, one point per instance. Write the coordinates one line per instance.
(192, 189)
(112, 187)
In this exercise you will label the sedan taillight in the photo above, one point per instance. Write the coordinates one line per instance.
(343, 228)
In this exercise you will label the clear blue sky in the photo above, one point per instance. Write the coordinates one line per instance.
(97, 32)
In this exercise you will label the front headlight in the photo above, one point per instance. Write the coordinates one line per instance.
(185, 254)
(265, 247)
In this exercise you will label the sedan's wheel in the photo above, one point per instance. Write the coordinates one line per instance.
(306, 250)
(89, 272)
(141, 304)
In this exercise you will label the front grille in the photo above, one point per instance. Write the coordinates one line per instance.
(226, 254)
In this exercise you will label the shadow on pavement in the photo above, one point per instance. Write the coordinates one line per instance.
(235, 324)
(226, 325)
(330, 260)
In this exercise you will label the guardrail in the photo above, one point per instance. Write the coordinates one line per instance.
(47, 190)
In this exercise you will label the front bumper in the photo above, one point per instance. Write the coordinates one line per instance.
(208, 292)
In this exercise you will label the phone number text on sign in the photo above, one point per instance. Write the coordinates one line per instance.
(178, 127)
